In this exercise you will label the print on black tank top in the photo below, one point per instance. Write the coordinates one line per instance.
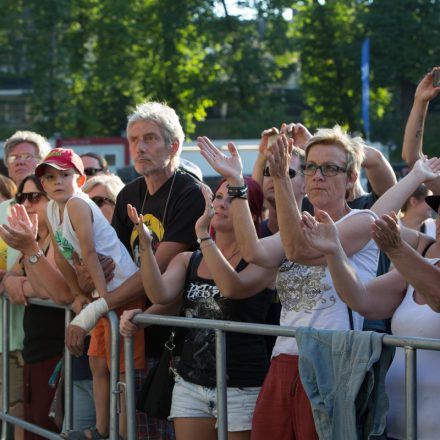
(246, 356)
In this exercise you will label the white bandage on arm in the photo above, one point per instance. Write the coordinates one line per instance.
(88, 317)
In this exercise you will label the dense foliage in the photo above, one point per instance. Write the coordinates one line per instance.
(88, 61)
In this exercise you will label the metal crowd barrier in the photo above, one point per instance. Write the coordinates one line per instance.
(411, 345)
(68, 384)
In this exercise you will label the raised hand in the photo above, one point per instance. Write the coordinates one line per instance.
(321, 232)
(425, 91)
(229, 167)
(19, 219)
(298, 133)
(137, 219)
(267, 138)
(279, 157)
(427, 169)
(20, 234)
(202, 224)
(386, 233)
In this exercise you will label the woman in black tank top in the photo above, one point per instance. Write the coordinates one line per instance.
(212, 283)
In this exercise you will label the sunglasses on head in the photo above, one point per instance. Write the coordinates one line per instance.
(92, 171)
(292, 172)
(31, 197)
(100, 200)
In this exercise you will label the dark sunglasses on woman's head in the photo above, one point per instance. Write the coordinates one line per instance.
(92, 171)
(31, 197)
(100, 200)
(292, 172)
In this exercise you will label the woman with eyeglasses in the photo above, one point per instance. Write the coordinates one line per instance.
(103, 190)
(43, 344)
(308, 298)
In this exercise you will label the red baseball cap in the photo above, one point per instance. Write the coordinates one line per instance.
(61, 159)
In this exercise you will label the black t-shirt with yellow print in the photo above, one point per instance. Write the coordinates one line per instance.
(173, 221)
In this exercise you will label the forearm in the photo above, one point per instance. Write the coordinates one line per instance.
(346, 282)
(378, 170)
(417, 271)
(224, 275)
(155, 288)
(170, 309)
(413, 138)
(91, 261)
(289, 221)
(130, 290)
(395, 197)
(42, 275)
(257, 172)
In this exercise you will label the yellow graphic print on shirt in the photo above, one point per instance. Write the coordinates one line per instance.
(3, 254)
(303, 288)
(157, 231)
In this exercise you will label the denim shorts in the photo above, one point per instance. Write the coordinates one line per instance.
(191, 400)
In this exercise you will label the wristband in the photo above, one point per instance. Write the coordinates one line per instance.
(202, 239)
(237, 192)
(208, 243)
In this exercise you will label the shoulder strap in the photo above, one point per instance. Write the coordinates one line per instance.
(193, 265)
(427, 248)
(350, 318)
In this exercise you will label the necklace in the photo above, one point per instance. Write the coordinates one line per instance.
(166, 203)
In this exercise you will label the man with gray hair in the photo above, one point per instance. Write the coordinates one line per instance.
(22, 153)
(171, 201)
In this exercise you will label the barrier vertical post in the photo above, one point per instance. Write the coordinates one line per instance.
(5, 360)
(129, 388)
(114, 376)
(68, 383)
(222, 410)
(411, 392)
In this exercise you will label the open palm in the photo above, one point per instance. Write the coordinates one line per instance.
(320, 232)
(228, 167)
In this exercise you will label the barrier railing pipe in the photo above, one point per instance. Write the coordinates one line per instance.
(411, 393)
(222, 403)
(114, 376)
(129, 388)
(5, 362)
(68, 382)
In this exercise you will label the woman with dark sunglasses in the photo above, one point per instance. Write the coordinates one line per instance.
(103, 190)
(43, 344)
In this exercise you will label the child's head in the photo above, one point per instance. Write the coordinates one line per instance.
(61, 167)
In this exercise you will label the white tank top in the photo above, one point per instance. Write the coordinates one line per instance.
(309, 299)
(105, 238)
(412, 319)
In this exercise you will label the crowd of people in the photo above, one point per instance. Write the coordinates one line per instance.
(298, 244)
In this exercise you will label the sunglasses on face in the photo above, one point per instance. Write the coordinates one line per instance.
(31, 197)
(292, 172)
(92, 171)
(100, 200)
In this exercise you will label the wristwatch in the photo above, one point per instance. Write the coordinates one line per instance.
(34, 258)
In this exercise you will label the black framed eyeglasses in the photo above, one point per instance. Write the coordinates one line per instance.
(100, 200)
(92, 171)
(31, 197)
(329, 170)
(292, 172)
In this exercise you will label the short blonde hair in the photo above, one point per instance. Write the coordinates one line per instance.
(112, 183)
(353, 147)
